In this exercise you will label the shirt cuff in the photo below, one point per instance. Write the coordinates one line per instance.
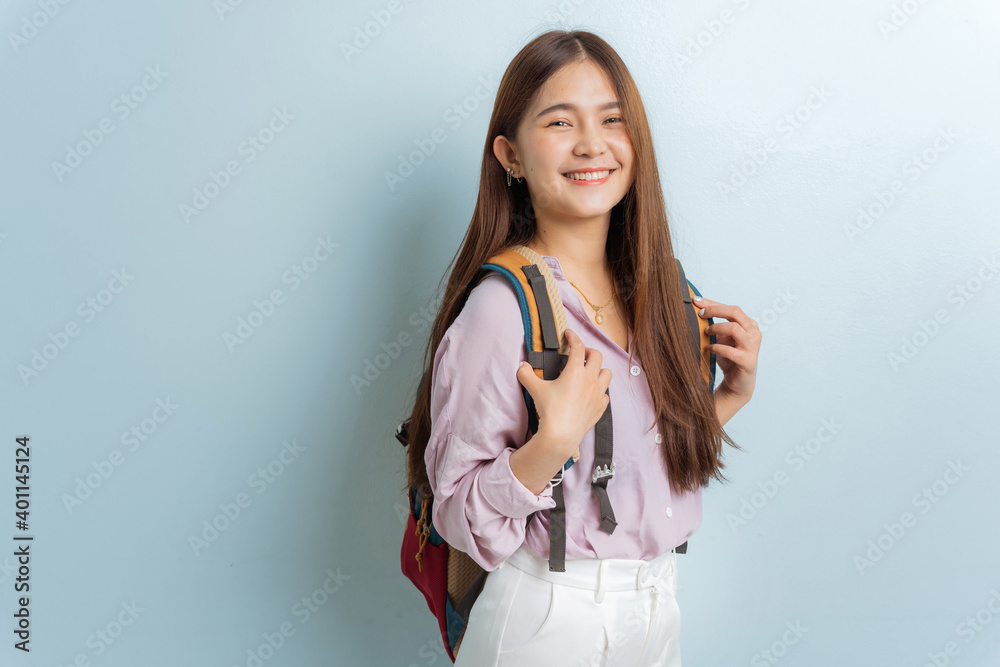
(507, 494)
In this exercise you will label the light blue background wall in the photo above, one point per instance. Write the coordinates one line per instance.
(720, 81)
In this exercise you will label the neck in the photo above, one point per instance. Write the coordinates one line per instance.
(580, 246)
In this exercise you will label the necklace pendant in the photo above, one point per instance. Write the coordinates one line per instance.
(599, 318)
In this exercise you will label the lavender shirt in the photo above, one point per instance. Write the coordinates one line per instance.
(479, 418)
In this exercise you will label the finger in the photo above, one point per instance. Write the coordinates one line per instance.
(526, 376)
(604, 380)
(702, 304)
(576, 348)
(732, 313)
(736, 355)
(732, 331)
(725, 340)
(593, 359)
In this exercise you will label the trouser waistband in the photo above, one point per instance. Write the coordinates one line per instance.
(600, 574)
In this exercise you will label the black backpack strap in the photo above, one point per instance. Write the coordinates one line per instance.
(692, 316)
(549, 359)
(694, 322)
(604, 467)
(552, 363)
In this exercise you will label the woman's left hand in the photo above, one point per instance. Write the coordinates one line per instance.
(737, 343)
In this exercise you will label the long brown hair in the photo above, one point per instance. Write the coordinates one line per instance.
(639, 252)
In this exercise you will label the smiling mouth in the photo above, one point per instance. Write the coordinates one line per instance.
(589, 175)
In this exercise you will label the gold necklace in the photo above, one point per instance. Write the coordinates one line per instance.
(599, 317)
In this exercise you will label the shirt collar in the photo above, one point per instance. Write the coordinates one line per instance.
(577, 305)
(554, 265)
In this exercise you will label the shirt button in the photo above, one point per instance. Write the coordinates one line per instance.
(670, 512)
(634, 370)
(659, 438)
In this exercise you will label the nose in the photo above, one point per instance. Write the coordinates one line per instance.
(590, 142)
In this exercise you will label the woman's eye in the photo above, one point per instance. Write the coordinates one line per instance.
(617, 118)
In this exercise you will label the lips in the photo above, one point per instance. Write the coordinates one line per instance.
(591, 175)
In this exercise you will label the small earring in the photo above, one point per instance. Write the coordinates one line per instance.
(508, 177)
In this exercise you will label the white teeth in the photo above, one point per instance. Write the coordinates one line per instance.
(589, 175)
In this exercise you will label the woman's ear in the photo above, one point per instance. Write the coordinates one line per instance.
(506, 153)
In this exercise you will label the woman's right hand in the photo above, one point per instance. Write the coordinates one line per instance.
(569, 406)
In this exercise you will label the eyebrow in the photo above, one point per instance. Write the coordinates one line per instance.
(572, 107)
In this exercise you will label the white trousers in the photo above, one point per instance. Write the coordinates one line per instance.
(598, 613)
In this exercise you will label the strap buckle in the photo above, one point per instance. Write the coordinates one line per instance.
(603, 471)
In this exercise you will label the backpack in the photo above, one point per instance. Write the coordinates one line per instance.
(449, 578)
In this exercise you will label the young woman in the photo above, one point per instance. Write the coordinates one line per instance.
(569, 171)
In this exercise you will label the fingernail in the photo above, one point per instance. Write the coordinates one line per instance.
(697, 298)
(702, 312)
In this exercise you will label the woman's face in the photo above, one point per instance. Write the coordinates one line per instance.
(575, 125)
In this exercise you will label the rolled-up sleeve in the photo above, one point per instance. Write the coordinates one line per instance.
(478, 419)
